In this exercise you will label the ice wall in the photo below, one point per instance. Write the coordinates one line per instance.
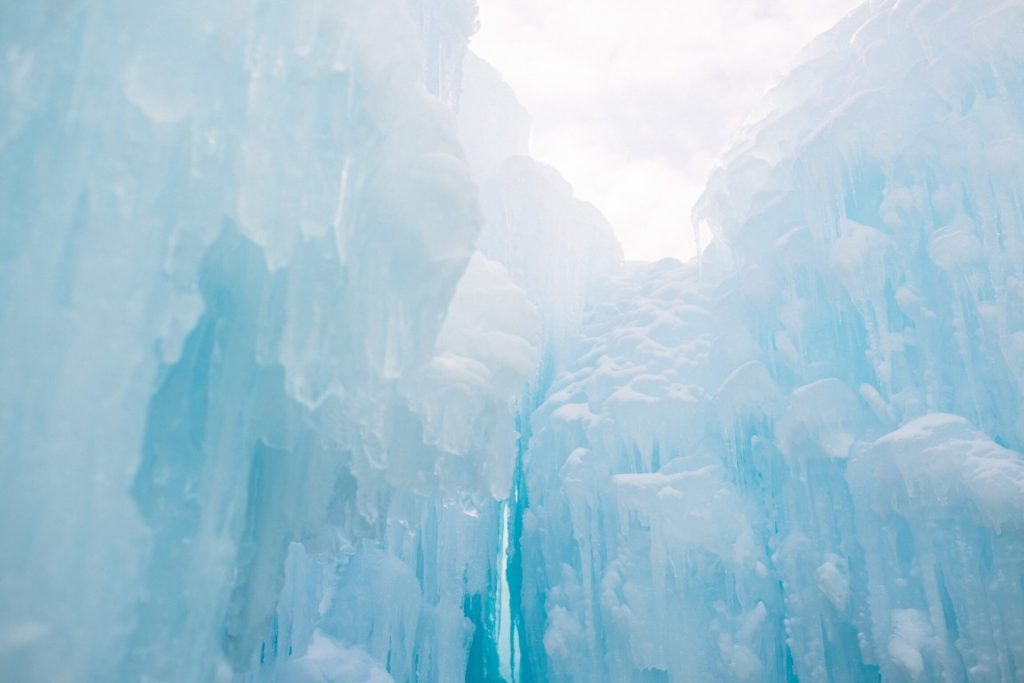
(559, 249)
(291, 390)
(555, 246)
(493, 125)
(257, 397)
(800, 459)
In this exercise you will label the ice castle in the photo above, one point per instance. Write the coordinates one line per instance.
(311, 374)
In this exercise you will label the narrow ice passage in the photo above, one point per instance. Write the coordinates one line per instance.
(310, 373)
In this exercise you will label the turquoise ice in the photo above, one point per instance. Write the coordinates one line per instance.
(310, 373)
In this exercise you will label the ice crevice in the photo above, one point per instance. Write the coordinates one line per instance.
(311, 373)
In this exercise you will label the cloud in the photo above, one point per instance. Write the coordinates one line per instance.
(633, 102)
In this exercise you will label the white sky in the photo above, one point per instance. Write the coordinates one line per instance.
(633, 100)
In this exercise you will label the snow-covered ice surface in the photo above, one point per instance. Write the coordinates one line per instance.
(800, 459)
(309, 373)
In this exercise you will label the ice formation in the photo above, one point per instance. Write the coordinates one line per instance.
(311, 374)
(800, 458)
(258, 398)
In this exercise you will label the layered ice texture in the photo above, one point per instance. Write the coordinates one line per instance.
(258, 394)
(309, 373)
(800, 459)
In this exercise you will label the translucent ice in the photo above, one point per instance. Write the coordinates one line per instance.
(310, 373)
(800, 459)
(240, 376)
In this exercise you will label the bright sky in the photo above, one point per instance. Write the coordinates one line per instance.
(633, 100)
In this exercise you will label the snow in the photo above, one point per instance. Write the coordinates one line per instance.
(327, 661)
(834, 580)
(910, 635)
(850, 453)
(939, 459)
(311, 373)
